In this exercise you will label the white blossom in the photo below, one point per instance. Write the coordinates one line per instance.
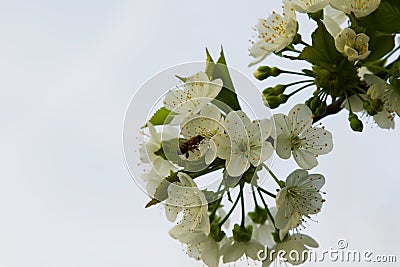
(244, 143)
(147, 150)
(199, 245)
(360, 8)
(184, 196)
(384, 119)
(198, 91)
(299, 198)
(294, 245)
(297, 136)
(274, 33)
(233, 250)
(307, 6)
(353, 46)
(380, 89)
(207, 124)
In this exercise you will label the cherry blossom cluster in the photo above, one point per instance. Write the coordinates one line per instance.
(204, 153)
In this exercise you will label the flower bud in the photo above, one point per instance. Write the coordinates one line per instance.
(263, 72)
(273, 101)
(275, 91)
(320, 111)
(355, 123)
(315, 103)
(241, 233)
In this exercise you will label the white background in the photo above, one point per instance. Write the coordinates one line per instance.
(67, 72)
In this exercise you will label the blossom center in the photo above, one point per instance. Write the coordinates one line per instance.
(295, 141)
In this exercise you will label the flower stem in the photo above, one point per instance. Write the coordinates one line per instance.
(301, 88)
(348, 102)
(254, 196)
(273, 175)
(212, 215)
(383, 69)
(304, 43)
(266, 192)
(266, 207)
(391, 53)
(231, 210)
(295, 73)
(242, 204)
(298, 82)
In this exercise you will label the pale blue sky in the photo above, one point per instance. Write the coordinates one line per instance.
(68, 71)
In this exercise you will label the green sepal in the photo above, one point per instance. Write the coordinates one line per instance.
(241, 233)
(259, 215)
(216, 233)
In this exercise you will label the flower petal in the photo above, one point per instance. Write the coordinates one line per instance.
(237, 165)
(283, 146)
(305, 159)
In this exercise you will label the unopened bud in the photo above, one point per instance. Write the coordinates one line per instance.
(315, 103)
(273, 101)
(355, 123)
(263, 72)
(320, 111)
(275, 91)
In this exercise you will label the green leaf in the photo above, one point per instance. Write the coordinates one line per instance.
(183, 79)
(323, 51)
(210, 65)
(227, 94)
(161, 192)
(379, 44)
(385, 19)
(161, 117)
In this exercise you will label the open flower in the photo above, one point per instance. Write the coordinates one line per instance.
(353, 46)
(290, 250)
(299, 198)
(384, 119)
(199, 245)
(245, 142)
(360, 8)
(207, 124)
(185, 197)
(307, 6)
(198, 91)
(147, 150)
(380, 89)
(297, 136)
(233, 250)
(275, 33)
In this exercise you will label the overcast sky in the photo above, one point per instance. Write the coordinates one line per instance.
(68, 70)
